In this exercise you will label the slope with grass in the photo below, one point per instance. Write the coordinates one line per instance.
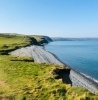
(23, 79)
(10, 42)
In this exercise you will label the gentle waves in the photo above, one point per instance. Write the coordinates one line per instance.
(79, 55)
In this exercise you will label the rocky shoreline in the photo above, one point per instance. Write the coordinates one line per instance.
(79, 79)
(40, 55)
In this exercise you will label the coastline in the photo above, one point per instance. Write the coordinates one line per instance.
(40, 55)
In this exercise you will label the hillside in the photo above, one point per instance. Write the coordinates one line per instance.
(23, 79)
(10, 42)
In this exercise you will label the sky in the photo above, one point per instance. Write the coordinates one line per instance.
(54, 18)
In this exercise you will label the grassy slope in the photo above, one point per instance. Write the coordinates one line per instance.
(11, 42)
(39, 39)
(26, 79)
(22, 79)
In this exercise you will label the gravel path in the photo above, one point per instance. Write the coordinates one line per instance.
(38, 53)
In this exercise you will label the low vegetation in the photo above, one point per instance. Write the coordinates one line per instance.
(10, 42)
(22, 79)
(40, 39)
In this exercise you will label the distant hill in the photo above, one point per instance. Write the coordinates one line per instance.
(72, 39)
(41, 39)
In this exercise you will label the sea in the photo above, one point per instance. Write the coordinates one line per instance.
(81, 56)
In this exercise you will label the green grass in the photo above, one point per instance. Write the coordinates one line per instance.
(29, 79)
(11, 42)
(22, 79)
(40, 39)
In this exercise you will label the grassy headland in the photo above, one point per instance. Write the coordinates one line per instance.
(22, 79)
(10, 42)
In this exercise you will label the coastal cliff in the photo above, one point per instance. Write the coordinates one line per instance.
(40, 55)
(31, 72)
(31, 47)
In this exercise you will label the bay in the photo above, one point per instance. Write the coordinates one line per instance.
(79, 55)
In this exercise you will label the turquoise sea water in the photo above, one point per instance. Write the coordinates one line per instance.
(79, 55)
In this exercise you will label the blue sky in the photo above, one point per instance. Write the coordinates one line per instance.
(55, 18)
